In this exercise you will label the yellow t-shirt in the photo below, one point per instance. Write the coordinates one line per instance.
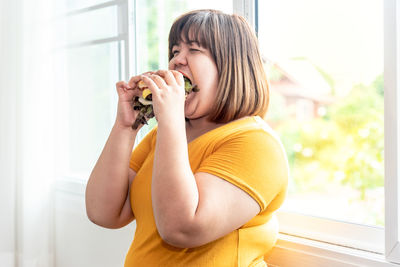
(245, 153)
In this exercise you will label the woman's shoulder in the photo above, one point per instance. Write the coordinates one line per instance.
(252, 134)
(248, 126)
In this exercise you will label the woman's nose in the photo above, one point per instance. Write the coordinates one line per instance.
(180, 58)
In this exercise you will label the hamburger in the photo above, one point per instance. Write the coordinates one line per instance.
(144, 102)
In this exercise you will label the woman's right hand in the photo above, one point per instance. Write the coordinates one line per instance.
(126, 115)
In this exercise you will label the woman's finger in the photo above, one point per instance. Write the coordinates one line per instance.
(158, 80)
(178, 77)
(167, 76)
(122, 86)
(150, 84)
(135, 79)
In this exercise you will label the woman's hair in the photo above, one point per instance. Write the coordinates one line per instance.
(242, 87)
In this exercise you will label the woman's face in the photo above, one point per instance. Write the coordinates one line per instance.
(197, 64)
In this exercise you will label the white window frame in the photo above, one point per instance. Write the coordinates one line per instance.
(125, 34)
(392, 132)
(127, 59)
(247, 9)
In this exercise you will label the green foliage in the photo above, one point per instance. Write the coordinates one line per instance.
(154, 23)
(152, 40)
(345, 147)
(151, 23)
(378, 84)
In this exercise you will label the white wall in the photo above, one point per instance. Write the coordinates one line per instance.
(79, 242)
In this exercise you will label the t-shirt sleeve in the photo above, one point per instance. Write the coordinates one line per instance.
(141, 151)
(253, 161)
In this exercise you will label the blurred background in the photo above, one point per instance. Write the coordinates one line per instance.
(59, 64)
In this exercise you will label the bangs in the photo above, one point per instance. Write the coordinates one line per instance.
(191, 28)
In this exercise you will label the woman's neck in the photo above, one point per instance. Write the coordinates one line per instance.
(198, 127)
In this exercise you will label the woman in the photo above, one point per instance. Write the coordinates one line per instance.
(203, 185)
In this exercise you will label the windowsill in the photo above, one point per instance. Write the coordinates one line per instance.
(297, 251)
(344, 234)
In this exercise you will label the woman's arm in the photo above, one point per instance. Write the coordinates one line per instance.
(107, 191)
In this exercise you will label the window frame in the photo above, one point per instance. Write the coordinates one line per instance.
(247, 9)
(125, 33)
(392, 132)
(126, 44)
(362, 238)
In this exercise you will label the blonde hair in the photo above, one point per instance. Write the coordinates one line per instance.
(242, 87)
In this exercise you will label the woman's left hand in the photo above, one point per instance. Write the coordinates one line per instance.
(168, 94)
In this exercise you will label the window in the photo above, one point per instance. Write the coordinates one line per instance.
(325, 61)
(329, 109)
(91, 50)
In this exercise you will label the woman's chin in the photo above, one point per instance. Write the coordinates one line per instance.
(189, 108)
(188, 115)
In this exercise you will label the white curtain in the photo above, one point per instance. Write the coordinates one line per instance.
(27, 150)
